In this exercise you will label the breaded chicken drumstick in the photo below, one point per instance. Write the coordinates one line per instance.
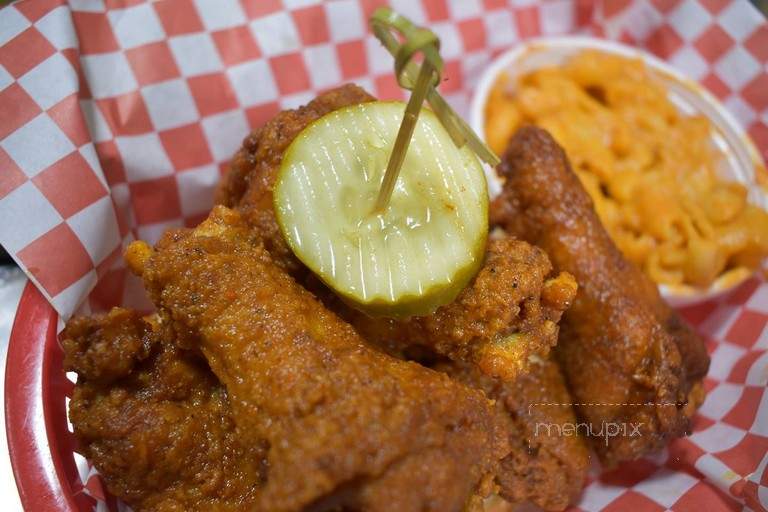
(632, 364)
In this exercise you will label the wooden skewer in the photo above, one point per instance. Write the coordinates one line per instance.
(404, 134)
(417, 39)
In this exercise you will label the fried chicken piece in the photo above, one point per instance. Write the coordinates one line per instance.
(619, 342)
(544, 468)
(497, 322)
(345, 425)
(548, 460)
(248, 184)
(506, 315)
(154, 420)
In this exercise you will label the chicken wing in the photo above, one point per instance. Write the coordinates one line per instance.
(344, 425)
(631, 363)
(154, 420)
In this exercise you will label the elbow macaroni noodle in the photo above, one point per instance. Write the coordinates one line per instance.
(651, 171)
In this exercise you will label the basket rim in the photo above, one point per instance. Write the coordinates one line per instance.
(38, 467)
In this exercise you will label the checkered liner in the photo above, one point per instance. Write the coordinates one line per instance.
(118, 118)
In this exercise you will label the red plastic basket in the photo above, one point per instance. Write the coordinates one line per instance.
(40, 443)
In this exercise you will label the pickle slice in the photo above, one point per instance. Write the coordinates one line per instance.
(408, 259)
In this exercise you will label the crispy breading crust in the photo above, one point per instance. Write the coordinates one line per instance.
(508, 313)
(619, 343)
(154, 420)
(547, 463)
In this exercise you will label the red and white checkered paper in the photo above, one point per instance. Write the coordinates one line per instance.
(117, 119)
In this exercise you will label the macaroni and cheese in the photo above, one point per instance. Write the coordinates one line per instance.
(651, 171)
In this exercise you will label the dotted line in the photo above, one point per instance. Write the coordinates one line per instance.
(592, 404)
(598, 403)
